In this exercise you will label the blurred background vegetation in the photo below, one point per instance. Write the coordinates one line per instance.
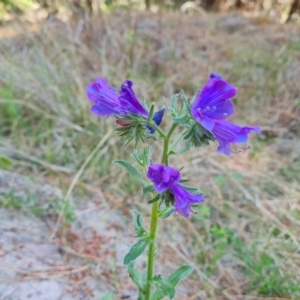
(283, 9)
(55, 156)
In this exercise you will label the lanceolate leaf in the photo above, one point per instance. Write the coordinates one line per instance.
(166, 212)
(173, 279)
(180, 274)
(130, 169)
(166, 288)
(148, 189)
(136, 250)
(136, 277)
(182, 120)
(138, 224)
(155, 199)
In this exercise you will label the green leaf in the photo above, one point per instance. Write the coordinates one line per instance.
(143, 156)
(136, 250)
(197, 136)
(108, 296)
(148, 189)
(183, 180)
(182, 120)
(155, 199)
(130, 169)
(136, 277)
(183, 149)
(193, 190)
(174, 279)
(151, 112)
(145, 103)
(134, 130)
(180, 274)
(166, 288)
(138, 224)
(166, 212)
(187, 102)
(5, 162)
(174, 102)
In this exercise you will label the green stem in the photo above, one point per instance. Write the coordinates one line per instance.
(151, 254)
(175, 143)
(160, 132)
(164, 159)
(154, 218)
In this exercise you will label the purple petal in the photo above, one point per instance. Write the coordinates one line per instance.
(205, 121)
(157, 118)
(103, 109)
(129, 101)
(213, 102)
(183, 200)
(221, 111)
(228, 133)
(212, 75)
(214, 91)
(163, 177)
(105, 98)
(208, 116)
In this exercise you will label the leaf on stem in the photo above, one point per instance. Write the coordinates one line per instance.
(130, 169)
(136, 277)
(143, 156)
(166, 212)
(138, 224)
(148, 189)
(136, 250)
(151, 112)
(155, 199)
(182, 120)
(173, 279)
(197, 136)
(166, 288)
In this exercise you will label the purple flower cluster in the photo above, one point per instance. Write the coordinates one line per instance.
(211, 109)
(167, 178)
(107, 101)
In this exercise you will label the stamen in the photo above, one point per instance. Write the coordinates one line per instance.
(235, 152)
(242, 148)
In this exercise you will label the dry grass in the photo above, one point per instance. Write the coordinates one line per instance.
(245, 241)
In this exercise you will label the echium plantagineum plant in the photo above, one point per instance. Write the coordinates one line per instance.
(200, 120)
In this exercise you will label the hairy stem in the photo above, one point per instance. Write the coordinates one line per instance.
(175, 143)
(164, 159)
(159, 131)
(154, 218)
(151, 254)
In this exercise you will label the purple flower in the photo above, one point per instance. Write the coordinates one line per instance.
(105, 98)
(163, 177)
(157, 118)
(229, 133)
(107, 101)
(129, 101)
(167, 178)
(213, 106)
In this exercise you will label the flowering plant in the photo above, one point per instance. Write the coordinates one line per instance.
(203, 119)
